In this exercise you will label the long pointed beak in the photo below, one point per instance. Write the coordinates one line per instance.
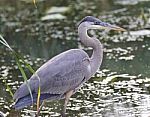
(117, 28)
(104, 25)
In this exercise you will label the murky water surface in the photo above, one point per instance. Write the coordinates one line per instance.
(121, 88)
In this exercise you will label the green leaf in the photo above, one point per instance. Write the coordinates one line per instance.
(32, 71)
(8, 88)
(17, 58)
(3, 41)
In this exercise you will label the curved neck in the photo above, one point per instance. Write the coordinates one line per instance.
(97, 55)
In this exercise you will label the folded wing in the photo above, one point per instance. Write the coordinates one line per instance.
(62, 73)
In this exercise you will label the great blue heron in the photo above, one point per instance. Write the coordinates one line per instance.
(62, 75)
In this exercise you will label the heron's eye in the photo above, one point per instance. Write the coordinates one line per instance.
(96, 23)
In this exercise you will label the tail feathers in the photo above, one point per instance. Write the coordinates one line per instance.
(27, 101)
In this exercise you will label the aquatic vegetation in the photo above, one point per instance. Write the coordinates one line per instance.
(20, 60)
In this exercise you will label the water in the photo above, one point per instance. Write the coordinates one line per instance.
(122, 85)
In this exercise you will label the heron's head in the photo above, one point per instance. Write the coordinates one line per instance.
(91, 22)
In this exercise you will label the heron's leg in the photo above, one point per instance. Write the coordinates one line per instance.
(38, 112)
(67, 96)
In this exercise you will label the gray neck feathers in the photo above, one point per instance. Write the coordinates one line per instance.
(97, 55)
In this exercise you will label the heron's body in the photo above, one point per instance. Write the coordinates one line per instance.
(64, 73)
(74, 68)
(72, 72)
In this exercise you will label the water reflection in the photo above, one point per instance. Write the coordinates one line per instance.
(121, 88)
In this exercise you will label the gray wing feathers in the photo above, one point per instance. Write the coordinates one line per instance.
(60, 74)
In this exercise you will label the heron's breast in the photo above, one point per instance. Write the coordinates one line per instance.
(89, 68)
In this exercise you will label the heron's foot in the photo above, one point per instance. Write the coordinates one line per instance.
(67, 96)
(63, 114)
(37, 114)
